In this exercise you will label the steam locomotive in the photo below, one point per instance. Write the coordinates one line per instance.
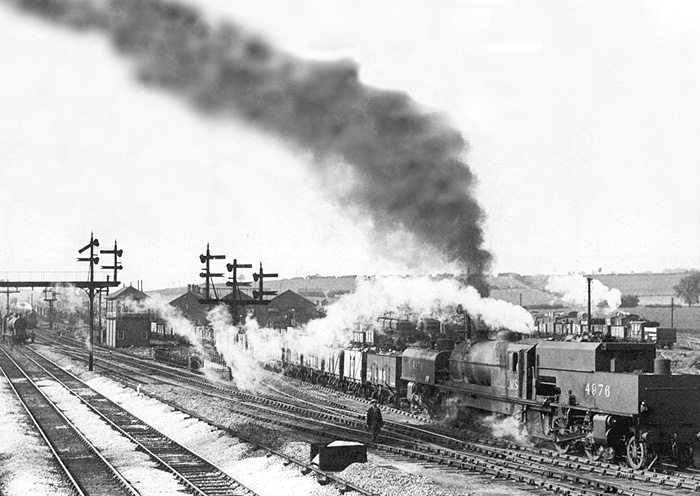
(190, 361)
(613, 400)
(15, 329)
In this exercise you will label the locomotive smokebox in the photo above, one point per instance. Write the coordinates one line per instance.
(662, 366)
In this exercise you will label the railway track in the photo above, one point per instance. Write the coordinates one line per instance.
(460, 439)
(85, 469)
(542, 468)
(197, 475)
(243, 406)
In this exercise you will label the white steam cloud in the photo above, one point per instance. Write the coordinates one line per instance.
(173, 316)
(508, 428)
(264, 348)
(573, 289)
(422, 297)
(414, 297)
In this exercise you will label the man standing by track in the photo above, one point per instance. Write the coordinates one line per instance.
(374, 419)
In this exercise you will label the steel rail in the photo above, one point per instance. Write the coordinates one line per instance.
(482, 463)
(84, 481)
(304, 466)
(146, 438)
(497, 454)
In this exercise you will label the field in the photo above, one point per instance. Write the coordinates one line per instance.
(683, 317)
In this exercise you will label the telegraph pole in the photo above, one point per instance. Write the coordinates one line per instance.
(589, 279)
(671, 311)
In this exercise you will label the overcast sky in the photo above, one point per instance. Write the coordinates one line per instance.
(583, 120)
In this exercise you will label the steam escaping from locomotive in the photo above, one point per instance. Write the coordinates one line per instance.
(262, 348)
(377, 152)
(413, 298)
(573, 289)
(508, 428)
(418, 297)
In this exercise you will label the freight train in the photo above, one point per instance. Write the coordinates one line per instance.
(613, 400)
(621, 326)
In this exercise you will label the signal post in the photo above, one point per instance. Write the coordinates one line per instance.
(235, 302)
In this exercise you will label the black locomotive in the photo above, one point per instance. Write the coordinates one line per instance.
(178, 359)
(613, 400)
(15, 329)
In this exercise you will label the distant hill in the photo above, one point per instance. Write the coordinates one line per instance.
(168, 294)
(643, 285)
(653, 289)
(322, 284)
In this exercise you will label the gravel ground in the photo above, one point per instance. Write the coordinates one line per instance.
(136, 467)
(268, 475)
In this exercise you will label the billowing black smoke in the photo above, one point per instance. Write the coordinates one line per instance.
(402, 165)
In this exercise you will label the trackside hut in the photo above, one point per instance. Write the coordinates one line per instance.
(128, 322)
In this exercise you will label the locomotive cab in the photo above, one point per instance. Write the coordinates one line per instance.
(617, 397)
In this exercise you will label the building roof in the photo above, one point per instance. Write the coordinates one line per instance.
(191, 308)
(128, 292)
(290, 299)
(240, 295)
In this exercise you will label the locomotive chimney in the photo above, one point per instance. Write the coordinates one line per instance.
(662, 366)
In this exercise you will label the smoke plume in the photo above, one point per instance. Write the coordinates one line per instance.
(376, 151)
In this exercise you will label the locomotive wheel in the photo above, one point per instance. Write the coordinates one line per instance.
(637, 453)
(594, 451)
(562, 447)
(559, 427)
